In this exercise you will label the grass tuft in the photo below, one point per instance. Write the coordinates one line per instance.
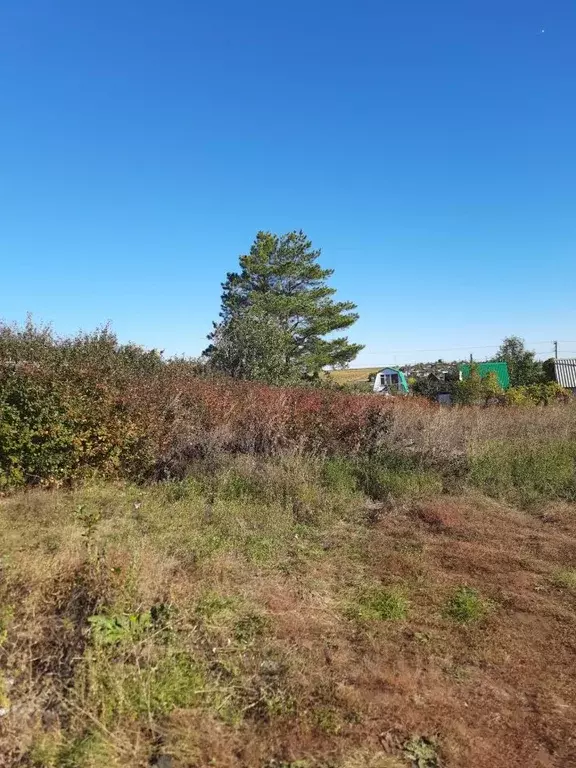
(565, 577)
(466, 606)
(379, 604)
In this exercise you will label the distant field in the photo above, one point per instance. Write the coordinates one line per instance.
(352, 375)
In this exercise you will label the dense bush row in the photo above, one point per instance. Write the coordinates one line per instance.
(69, 408)
(74, 408)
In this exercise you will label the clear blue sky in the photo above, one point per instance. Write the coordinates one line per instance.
(429, 148)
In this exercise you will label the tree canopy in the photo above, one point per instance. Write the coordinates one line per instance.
(278, 314)
(523, 368)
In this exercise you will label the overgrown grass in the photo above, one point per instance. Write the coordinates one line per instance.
(526, 471)
(253, 602)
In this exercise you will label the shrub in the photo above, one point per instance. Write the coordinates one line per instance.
(75, 408)
(536, 394)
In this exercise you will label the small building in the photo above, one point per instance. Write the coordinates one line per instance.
(565, 374)
(391, 381)
(500, 369)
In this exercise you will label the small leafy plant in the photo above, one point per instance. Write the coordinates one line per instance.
(114, 630)
(422, 752)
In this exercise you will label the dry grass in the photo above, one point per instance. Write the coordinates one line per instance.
(259, 618)
(352, 375)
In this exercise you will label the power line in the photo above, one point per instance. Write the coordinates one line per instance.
(468, 348)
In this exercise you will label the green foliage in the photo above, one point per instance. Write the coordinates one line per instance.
(339, 474)
(90, 750)
(544, 393)
(252, 345)
(211, 604)
(431, 388)
(280, 303)
(477, 389)
(111, 630)
(250, 627)
(37, 346)
(397, 475)
(134, 686)
(565, 577)
(523, 368)
(422, 752)
(60, 414)
(491, 386)
(526, 471)
(466, 606)
(327, 719)
(379, 604)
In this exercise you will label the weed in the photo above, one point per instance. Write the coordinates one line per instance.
(327, 719)
(139, 685)
(378, 604)
(88, 750)
(6, 616)
(250, 627)
(110, 630)
(88, 519)
(339, 475)
(526, 471)
(422, 752)
(565, 577)
(396, 475)
(365, 758)
(466, 606)
(212, 604)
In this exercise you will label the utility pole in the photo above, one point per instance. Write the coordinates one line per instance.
(471, 358)
(556, 350)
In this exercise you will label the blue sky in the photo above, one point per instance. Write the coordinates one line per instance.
(429, 149)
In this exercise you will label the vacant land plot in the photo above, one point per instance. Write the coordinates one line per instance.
(352, 375)
(270, 614)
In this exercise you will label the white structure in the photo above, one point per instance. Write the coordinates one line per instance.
(390, 381)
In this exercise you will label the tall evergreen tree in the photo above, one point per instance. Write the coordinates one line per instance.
(281, 281)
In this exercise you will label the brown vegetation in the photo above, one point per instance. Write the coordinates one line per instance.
(233, 629)
(214, 572)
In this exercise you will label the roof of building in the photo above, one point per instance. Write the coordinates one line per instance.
(500, 369)
(565, 371)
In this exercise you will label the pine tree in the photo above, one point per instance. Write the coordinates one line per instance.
(281, 281)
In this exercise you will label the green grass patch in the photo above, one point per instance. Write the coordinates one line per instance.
(378, 604)
(565, 577)
(527, 471)
(397, 475)
(339, 474)
(466, 606)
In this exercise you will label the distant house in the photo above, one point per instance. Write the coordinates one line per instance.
(390, 381)
(434, 371)
(565, 373)
(500, 369)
